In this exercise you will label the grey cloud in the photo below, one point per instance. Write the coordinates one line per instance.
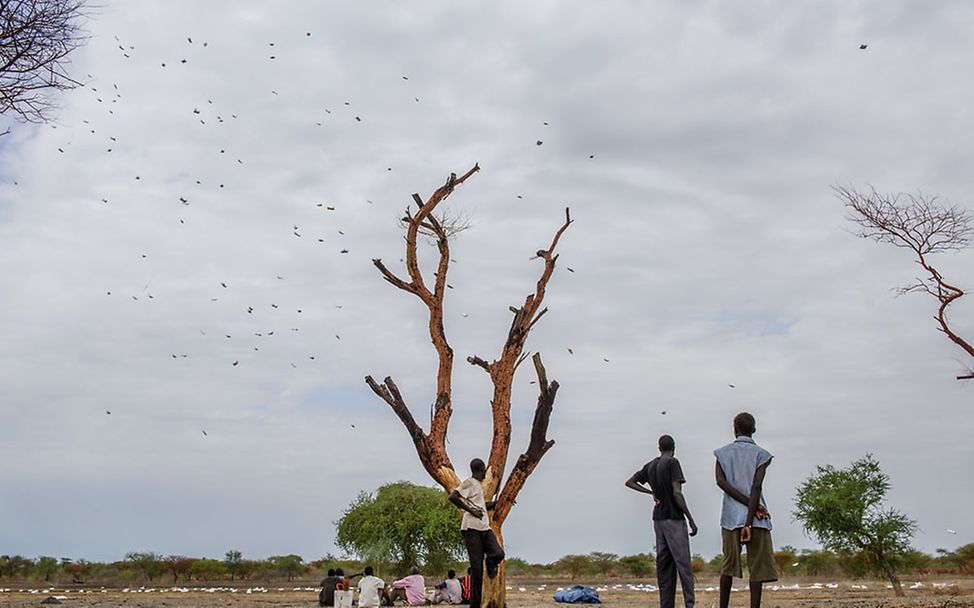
(708, 250)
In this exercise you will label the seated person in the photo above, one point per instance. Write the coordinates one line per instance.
(449, 591)
(328, 586)
(346, 582)
(465, 588)
(415, 587)
(371, 589)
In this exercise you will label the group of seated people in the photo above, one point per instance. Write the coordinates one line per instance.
(410, 590)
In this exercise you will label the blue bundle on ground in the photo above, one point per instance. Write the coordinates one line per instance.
(578, 595)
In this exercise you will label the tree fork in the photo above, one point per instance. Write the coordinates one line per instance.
(538, 445)
(431, 446)
(502, 370)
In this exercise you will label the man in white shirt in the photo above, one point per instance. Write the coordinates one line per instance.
(475, 527)
(370, 589)
(449, 591)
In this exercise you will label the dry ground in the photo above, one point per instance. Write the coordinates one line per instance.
(950, 593)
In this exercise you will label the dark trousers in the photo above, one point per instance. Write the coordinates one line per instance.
(481, 544)
(672, 558)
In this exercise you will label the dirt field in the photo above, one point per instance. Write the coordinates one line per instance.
(945, 593)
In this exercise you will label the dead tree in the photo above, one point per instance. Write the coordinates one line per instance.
(36, 38)
(923, 225)
(431, 446)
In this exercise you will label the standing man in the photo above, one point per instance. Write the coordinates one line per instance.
(744, 517)
(475, 528)
(664, 476)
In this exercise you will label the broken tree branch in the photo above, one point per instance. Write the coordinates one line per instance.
(475, 360)
(431, 447)
(538, 445)
(392, 278)
(504, 368)
(389, 393)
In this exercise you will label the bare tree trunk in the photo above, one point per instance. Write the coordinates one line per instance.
(431, 446)
(495, 589)
(895, 580)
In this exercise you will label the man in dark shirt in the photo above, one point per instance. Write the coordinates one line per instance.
(328, 585)
(664, 476)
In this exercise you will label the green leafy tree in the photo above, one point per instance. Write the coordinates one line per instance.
(248, 567)
(853, 565)
(818, 563)
(575, 565)
(13, 566)
(179, 565)
(965, 555)
(604, 562)
(918, 560)
(786, 558)
(77, 570)
(402, 524)
(716, 563)
(149, 564)
(47, 567)
(843, 509)
(516, 566)
(639, 565)
(233, 560)
(208, 569)
(961, 559)
(287, 565)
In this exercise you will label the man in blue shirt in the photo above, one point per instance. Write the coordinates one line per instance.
(664, 476)
(744, 517)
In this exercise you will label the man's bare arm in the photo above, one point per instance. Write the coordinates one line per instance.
(464, 504)
(754, 501)
(634, 485)
(681, 504)
(736, 494)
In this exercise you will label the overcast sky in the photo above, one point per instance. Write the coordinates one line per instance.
(695, 143)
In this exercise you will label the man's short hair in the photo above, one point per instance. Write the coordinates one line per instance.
(414, 570)
(451, 574)
(744, 424)
(666, 443)
(477, 465)
(339, 572)
(369, 571)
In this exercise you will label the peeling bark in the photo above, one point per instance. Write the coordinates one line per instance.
(431, 446)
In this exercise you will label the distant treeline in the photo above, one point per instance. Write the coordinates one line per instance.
(791, 563)
(153, 568)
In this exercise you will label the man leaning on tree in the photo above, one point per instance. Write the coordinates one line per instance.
(480, 540)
